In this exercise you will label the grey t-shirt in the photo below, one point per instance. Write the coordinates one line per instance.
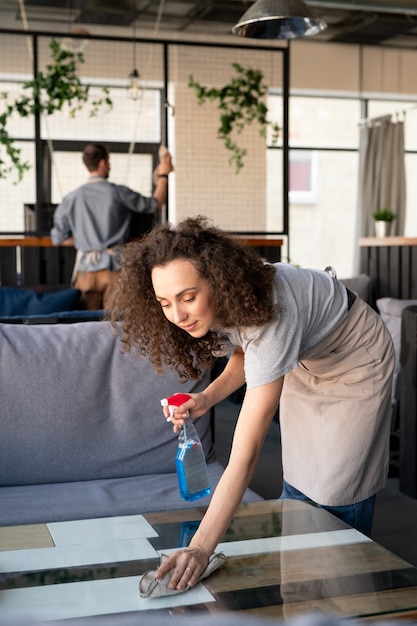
(313, 304)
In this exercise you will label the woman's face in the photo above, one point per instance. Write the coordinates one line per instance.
(185, 297)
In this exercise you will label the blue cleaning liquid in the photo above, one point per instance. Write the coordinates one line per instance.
(193, 480)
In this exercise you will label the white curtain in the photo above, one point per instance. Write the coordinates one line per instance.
(381, 174)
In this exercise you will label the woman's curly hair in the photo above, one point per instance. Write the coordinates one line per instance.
(241, 287)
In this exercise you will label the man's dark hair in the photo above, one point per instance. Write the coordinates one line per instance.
(93, 154)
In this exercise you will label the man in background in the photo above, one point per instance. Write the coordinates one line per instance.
(95, 219)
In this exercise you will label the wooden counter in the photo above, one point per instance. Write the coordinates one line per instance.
(387, 241)
(392, 264)
(268, 246)
(25, 242)
(28, 261)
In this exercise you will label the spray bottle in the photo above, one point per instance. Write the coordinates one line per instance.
(193, 480)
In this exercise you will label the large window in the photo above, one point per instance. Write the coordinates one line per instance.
(137, 121)
(323, 143)
(323, 176)
(167, 111)
(56, 167)
(323, 171)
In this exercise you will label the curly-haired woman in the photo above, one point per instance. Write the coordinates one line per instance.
(297, 337)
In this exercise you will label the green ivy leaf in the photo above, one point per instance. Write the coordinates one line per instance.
(240, 103)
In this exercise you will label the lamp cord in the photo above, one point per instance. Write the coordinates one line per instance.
(156, 29)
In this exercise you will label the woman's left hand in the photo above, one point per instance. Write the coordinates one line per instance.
(186, 565)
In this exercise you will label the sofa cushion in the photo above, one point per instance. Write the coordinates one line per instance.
(58, 502)
(75, 408)
(15, 301)
(361, 284)
(391, 310)
(59, 317)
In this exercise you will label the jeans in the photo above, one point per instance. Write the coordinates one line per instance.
(359, 515)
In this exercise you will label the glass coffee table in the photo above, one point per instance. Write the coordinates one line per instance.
(284, 558)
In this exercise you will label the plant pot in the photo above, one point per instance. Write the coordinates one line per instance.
(382, 228)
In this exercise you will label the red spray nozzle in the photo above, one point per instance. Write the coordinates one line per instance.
(175, 400)
(178, 399)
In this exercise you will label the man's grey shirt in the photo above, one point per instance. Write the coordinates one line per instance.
(97, 215)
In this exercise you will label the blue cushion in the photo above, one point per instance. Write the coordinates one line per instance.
(59, 317)
(24, 302)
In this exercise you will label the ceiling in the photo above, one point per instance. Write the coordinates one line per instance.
(370, 22)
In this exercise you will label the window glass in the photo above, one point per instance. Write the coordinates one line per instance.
(275, 106)
(302, 176)
(411, 195)
(323, 233)
(324, 122)
(129, 120)
(274, 191)
(17, 126)
(15, 196)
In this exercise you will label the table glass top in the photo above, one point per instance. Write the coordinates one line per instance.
(283, 558)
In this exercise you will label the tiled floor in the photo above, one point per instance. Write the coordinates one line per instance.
(395, 518)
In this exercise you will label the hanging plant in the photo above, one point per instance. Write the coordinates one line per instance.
(46, 94)
(241, 102)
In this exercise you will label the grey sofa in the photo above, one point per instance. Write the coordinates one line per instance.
(82, 433)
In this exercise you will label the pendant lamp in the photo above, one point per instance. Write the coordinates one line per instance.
(134, 88)
(279, 19)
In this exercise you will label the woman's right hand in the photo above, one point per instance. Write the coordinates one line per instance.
(196, 406)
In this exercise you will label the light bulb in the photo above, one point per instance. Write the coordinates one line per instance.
(135, 86)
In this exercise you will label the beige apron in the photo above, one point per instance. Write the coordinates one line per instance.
(335, 412)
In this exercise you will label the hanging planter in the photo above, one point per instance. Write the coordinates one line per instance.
(46, 94)
(241, 102)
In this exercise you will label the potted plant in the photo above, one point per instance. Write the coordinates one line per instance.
(240, 102)
(383, 218)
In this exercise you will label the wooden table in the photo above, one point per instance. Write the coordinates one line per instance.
(284, 558)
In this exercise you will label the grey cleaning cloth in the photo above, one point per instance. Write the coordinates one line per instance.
(150, 587)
